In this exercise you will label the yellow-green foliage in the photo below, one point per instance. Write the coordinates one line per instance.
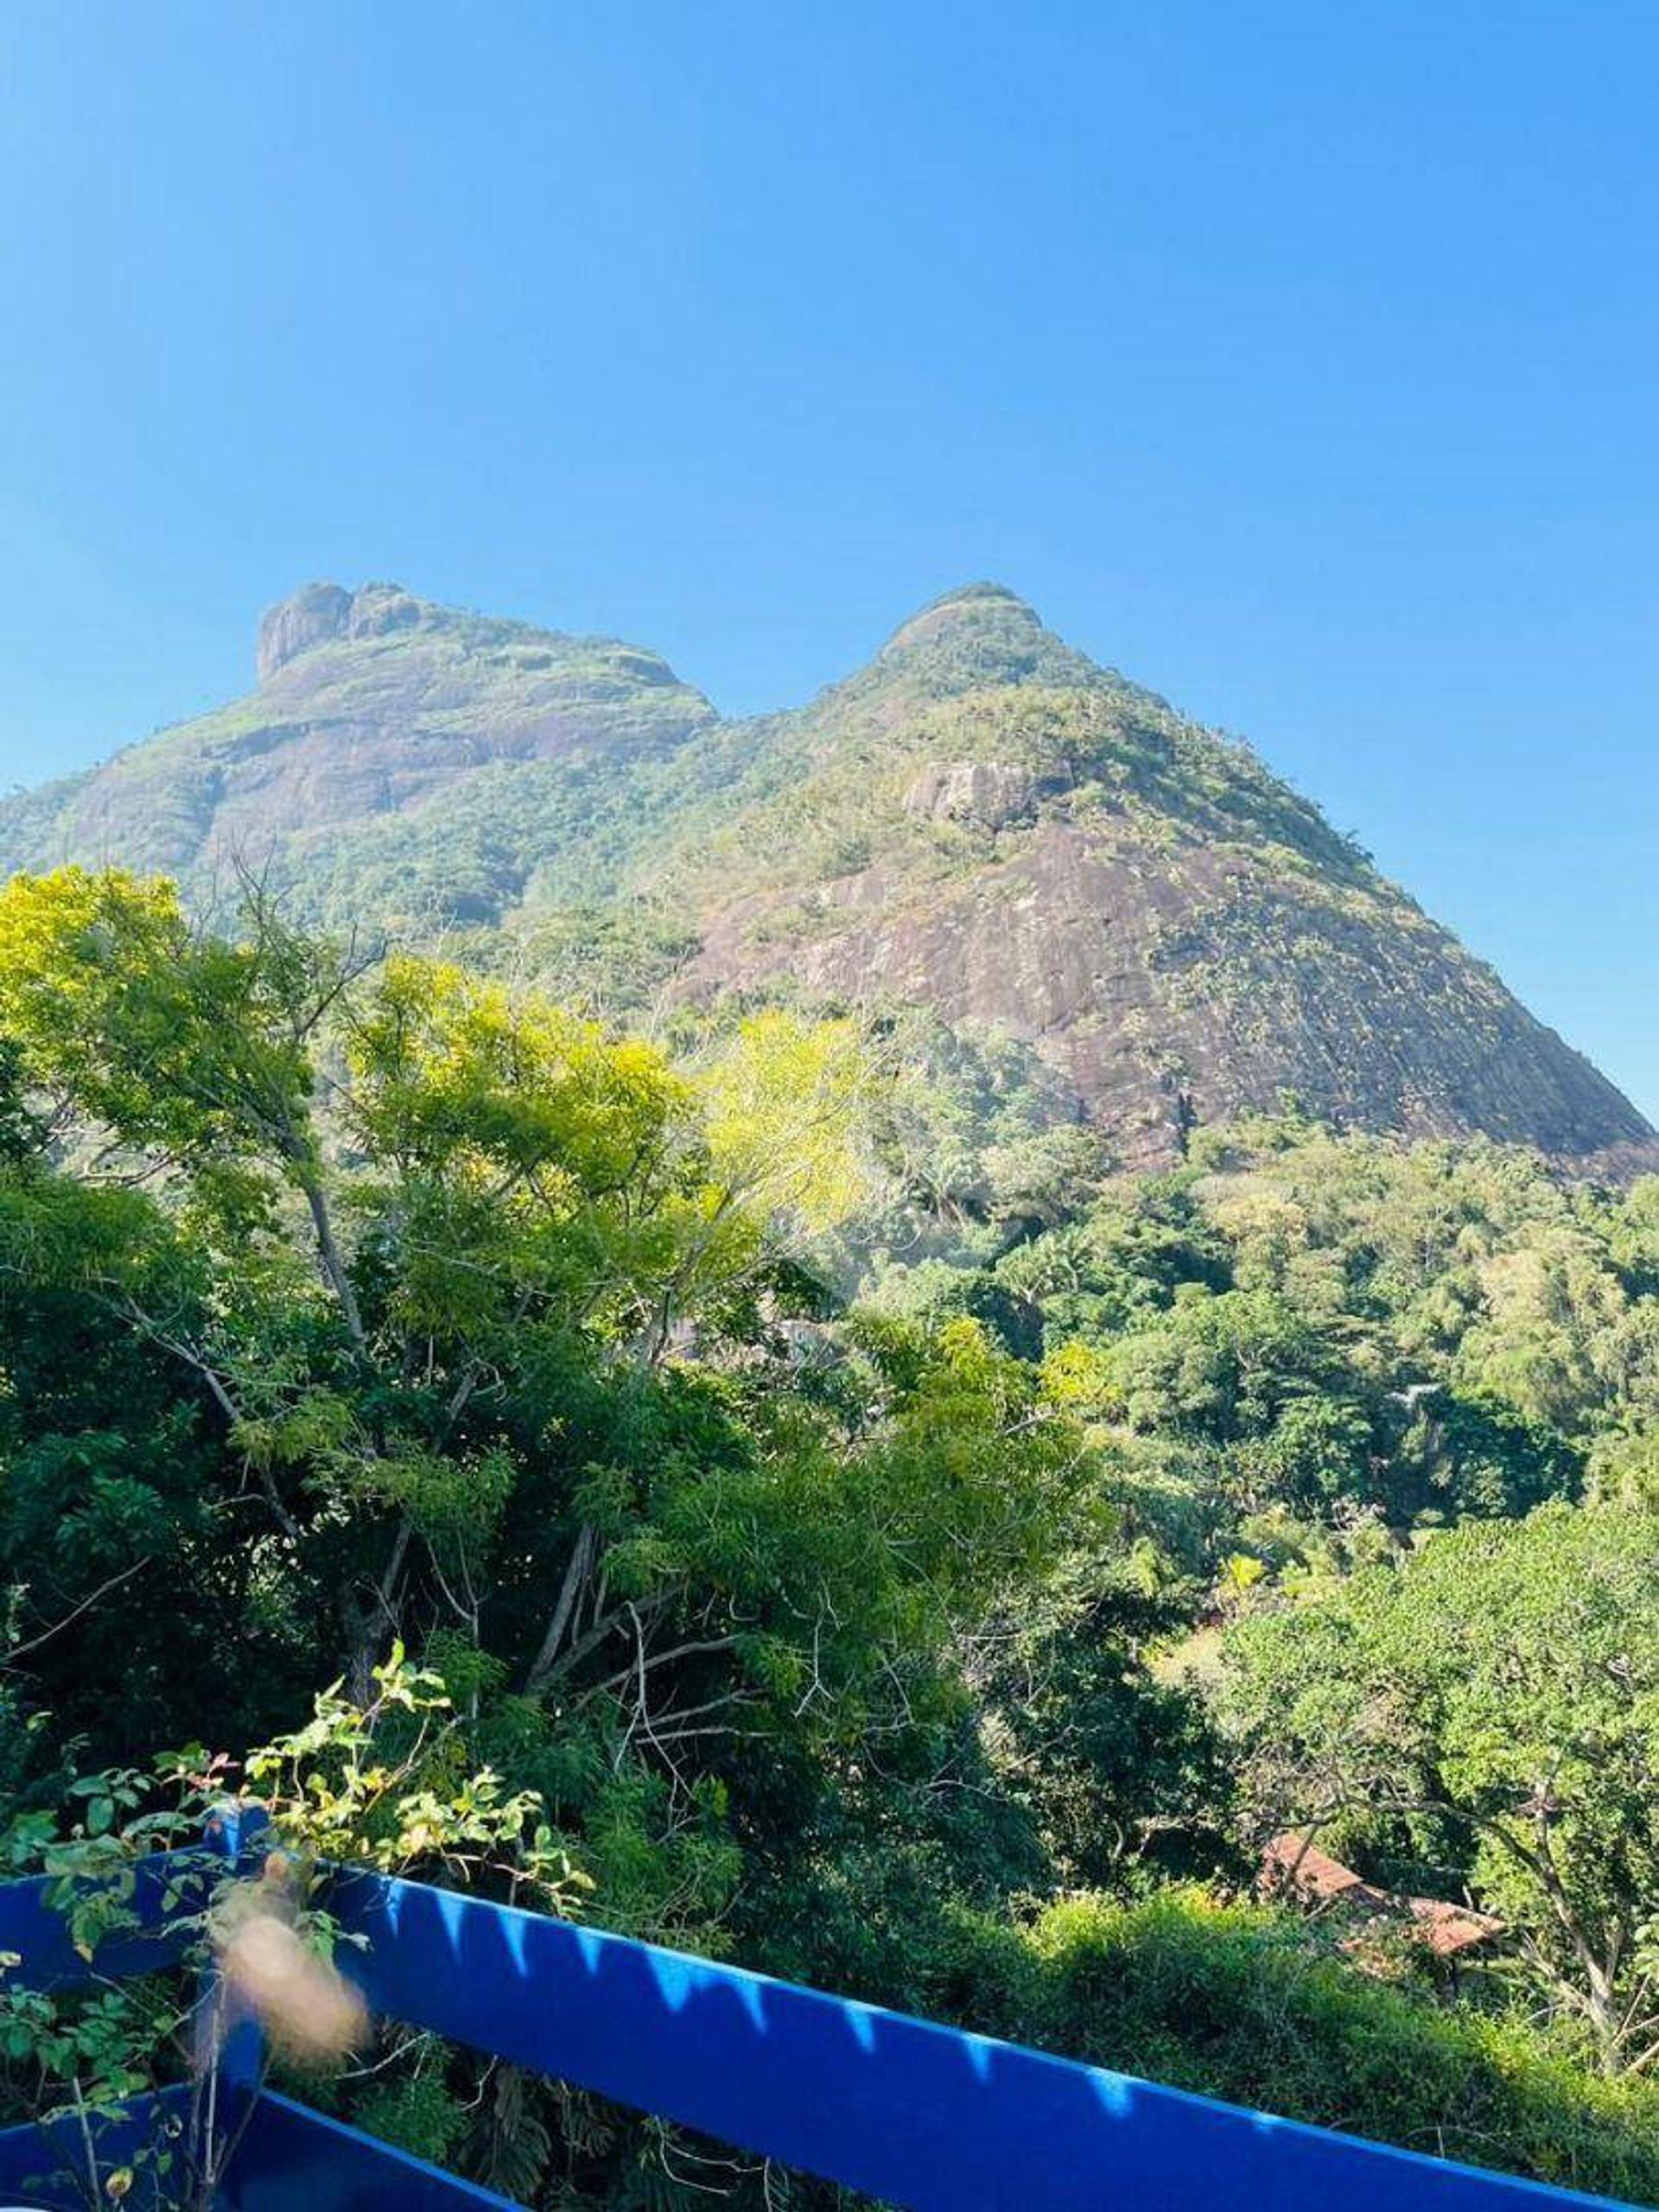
(349, 1308)
(786, 1106)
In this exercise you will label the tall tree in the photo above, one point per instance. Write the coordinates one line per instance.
(1499, 1686)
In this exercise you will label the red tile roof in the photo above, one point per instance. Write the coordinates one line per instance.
(1291, 1862)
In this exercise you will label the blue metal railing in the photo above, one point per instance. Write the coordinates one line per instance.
(912, 2113)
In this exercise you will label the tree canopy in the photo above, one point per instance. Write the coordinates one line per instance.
(1494, 1699)
(872, 1536)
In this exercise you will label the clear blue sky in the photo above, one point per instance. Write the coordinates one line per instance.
(1304, 361)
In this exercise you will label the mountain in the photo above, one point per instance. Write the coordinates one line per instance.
(375, 712)
(981, 822)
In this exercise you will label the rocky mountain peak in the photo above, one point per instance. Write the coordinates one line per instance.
(310, 616)
(979, 634)
(320, 614)
(981, 821)
(971, 609)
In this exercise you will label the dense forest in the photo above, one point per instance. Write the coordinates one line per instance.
(766, 1486)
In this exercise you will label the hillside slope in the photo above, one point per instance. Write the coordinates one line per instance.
(981, 822)
(377, 716)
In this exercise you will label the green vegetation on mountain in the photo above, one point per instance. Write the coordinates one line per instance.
(982, 824)
(861, 1531)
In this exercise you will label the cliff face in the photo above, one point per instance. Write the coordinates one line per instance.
(1033, 846)
(373, 708)
(981, 822)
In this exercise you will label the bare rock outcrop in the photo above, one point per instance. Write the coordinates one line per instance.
(311, 616)
(981, 821)
(991, 793)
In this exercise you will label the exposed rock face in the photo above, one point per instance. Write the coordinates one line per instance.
(1068, 942)
(981, 822)
(317, 614)
(308, 617)
(991, 792)
(374, 709)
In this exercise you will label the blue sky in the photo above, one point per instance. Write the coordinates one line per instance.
(1298, 360)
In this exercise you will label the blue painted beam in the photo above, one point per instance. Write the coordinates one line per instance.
(36, 2162)
(167, 1887)
(289, 2159)
(293, 2160)
(918, 2115)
